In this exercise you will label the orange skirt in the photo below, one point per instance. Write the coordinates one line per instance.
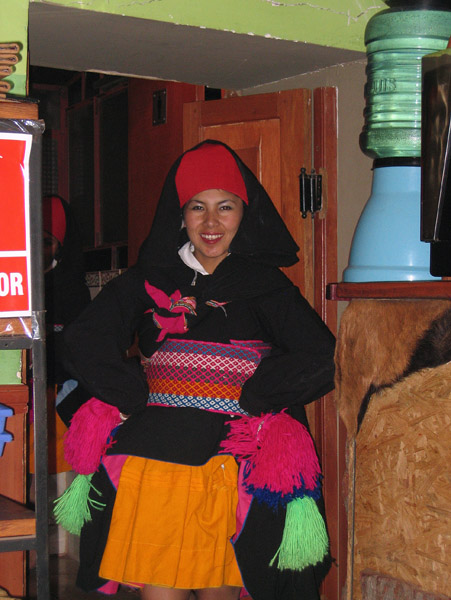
(172, 524)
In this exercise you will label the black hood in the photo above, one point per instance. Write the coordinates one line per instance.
(66, 292)
(262, 235)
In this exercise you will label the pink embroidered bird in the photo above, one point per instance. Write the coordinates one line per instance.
(174, 304)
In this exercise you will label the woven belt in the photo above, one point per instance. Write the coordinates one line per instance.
(203, 375)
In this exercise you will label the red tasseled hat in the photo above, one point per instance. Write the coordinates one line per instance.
(54, 217)
(209, 167)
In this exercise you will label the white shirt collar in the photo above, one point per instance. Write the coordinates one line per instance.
(186, 254)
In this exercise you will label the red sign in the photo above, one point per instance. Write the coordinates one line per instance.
(15, 284)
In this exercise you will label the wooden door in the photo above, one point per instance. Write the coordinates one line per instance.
(273, 135)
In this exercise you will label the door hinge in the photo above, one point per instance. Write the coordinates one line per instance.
(310, 192)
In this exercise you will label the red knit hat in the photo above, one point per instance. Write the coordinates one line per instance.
(54, 217)
(209, 167)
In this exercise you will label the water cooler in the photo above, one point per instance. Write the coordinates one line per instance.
(388, 244)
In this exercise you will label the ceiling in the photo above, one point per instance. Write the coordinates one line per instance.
(82, 40)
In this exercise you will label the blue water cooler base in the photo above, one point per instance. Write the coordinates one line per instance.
(386, 245)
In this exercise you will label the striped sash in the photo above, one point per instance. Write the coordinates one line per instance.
(205, 375)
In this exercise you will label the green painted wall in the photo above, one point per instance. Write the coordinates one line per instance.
(14, 28)
(335, 23)
(10, 367)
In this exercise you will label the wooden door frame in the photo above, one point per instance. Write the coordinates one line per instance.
(330, 432)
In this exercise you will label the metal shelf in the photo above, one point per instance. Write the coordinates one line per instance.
(17, 526)
(15, 343)
(15, 519)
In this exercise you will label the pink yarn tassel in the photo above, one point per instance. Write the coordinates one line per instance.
(286, 459)
(86, 440)
(242, 440)
(280, 450)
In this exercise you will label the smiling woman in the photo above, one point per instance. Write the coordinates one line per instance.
(200, 428)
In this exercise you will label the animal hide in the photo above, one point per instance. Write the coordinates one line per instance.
(401, 522)
(380, 341)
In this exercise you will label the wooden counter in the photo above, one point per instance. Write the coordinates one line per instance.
(394, 290)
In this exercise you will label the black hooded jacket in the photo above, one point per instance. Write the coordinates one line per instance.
(253, 300)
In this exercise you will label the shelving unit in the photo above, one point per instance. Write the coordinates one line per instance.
(20, 527)
(393, 290)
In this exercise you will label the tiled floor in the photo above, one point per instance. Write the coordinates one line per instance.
(63, 571)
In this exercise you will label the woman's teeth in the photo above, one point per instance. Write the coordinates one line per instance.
(211, 237)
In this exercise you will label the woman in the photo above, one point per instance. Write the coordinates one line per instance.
(66, 295)
(66, 292)
(227, 344)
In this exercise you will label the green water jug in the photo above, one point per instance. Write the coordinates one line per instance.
(396, 40)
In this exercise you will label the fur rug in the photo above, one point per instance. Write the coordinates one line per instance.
(382, 341)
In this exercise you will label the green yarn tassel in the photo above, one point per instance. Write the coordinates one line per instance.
(304, 541)
(72, 508)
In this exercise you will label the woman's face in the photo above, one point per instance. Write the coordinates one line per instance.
(51, 247)
(212, 218)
